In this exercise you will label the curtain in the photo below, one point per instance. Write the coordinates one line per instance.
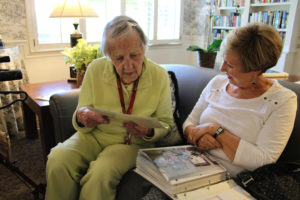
(12, 115)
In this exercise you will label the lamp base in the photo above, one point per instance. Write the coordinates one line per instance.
(74, 37)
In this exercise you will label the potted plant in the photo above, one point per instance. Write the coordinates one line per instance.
(207, 57)
(80, 56)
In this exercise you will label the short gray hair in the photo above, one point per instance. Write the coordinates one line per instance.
(119, 26)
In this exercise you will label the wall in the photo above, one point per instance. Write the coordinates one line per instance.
(290, 52)
(13, 20)
(42, 67)
(49, 66)
(296, 68)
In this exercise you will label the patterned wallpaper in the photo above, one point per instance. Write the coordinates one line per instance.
(194, 16)
(13, 20)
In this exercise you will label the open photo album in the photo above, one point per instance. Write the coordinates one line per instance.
(182, 172)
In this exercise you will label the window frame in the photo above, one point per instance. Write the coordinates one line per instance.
(33, 36)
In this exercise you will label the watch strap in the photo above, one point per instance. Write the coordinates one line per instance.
(218, 131)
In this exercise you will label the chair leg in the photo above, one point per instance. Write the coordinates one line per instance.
(5, 145)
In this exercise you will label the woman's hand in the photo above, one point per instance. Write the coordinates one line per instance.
(138, 130)
(208, 142)
(89, 118)
(194, 133)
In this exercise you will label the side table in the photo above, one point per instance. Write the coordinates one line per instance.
(35, 106)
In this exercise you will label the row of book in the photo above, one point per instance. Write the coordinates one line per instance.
(269, 1)
(229, 3)
(220, 34)
(227, 21)
(278, 18)
(241, 3)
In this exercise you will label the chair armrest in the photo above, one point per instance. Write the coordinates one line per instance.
(62, 106)
(291, 151)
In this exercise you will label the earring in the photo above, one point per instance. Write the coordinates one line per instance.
(254, 81)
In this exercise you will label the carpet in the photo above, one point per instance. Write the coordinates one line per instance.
(28, 156)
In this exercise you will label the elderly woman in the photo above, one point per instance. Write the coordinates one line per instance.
(242, 118)
(90, 164)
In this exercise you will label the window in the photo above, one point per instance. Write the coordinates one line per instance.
(160, 20)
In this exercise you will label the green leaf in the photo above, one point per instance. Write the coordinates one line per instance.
(82, 54)
(215, 46)
(195, 48)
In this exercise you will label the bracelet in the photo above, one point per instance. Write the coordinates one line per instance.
(219, 131)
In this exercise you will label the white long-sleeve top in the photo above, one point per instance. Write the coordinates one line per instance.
(264, 123)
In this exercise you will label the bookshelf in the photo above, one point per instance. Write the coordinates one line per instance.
(274, 14)
(281, 14)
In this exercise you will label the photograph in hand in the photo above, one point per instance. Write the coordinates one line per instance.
(119, 118)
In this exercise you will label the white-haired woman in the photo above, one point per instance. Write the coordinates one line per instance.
(90, 164)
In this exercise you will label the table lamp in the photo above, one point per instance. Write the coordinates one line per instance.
(76, 9)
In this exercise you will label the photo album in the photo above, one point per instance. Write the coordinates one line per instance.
(184, 172)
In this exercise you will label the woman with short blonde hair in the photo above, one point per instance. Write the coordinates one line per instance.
(263, 46)
(242, 118)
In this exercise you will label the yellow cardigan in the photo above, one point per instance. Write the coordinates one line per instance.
(153, 98)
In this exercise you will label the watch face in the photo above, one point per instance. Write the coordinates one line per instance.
(219, 130)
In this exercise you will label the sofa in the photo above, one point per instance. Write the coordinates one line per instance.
(190, 80)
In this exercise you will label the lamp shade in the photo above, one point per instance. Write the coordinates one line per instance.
(73, 8)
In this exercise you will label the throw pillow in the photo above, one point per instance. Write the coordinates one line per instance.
(173, 137)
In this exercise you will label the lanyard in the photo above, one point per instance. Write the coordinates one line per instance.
(132, 99)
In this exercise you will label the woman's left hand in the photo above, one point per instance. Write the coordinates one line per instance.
(138, 130)
(208, 142)
(194, 133)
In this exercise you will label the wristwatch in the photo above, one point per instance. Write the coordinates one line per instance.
(218, 131)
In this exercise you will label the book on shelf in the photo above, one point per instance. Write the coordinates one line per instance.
(284, 19)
